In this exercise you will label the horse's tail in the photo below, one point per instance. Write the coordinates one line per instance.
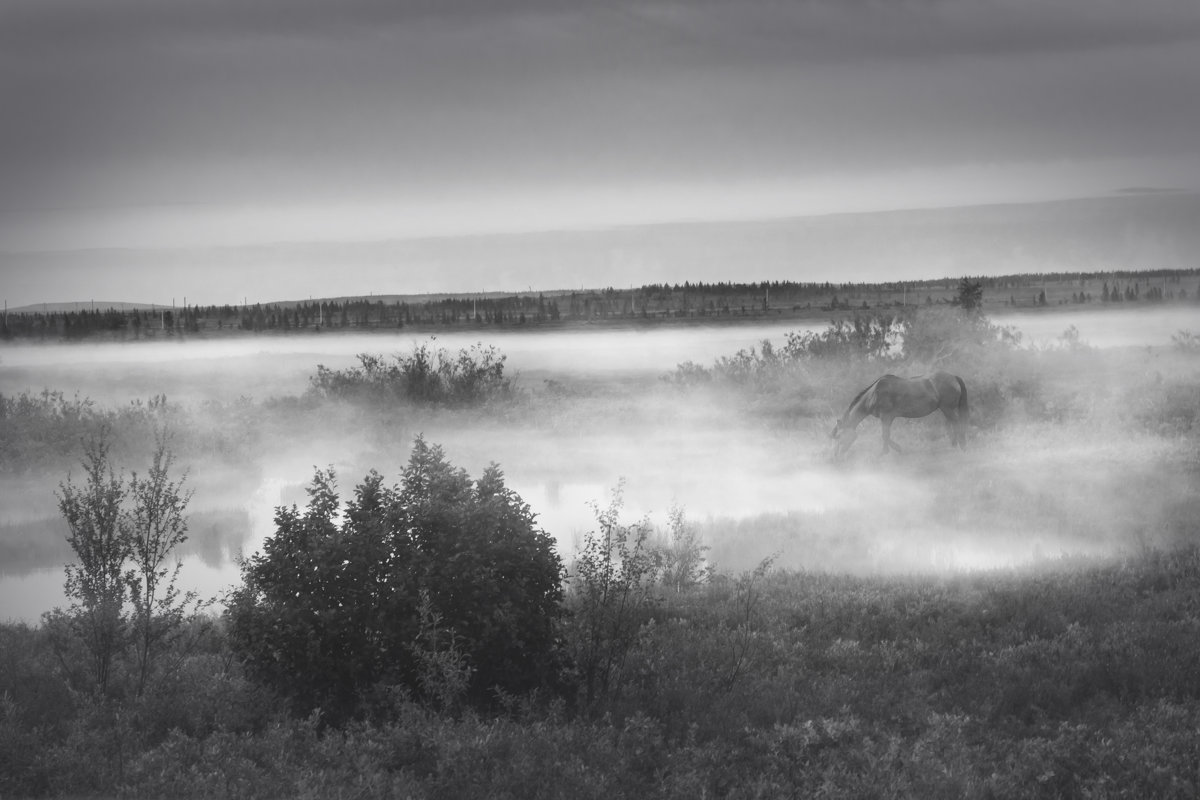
(963, 410)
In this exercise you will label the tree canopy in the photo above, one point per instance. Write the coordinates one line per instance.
(341, 602)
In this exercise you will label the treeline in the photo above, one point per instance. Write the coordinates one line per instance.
(650, 302)
(360, 313)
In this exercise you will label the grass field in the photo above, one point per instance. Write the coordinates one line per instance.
(1019, 620)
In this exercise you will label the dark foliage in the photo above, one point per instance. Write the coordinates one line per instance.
(1077, 681)
(647, 303)
(330, 610)
(472, 376)
(970, 295)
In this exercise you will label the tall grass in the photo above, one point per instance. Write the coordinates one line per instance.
(1074, 680)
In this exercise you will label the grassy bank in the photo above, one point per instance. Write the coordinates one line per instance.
(1076, 680)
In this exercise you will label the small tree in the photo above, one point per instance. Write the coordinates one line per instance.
(99, 536)
(123, 533)
(683, 560)
(156, 527)
(970, 295)
(612, 588)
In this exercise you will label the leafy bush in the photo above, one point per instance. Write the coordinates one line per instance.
(952, 338)
(329, 611)
(863, 338)
(682, 554)
(43, 430)
(472, 376)
(613, 585)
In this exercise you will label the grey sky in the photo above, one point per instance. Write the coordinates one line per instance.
(160, 124)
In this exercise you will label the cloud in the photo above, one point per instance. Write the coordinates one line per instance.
(914, 27)
(130, 103)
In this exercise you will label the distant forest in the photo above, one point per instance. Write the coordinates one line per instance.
(646, 304)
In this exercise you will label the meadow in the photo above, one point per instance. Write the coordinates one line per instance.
(1022, 619)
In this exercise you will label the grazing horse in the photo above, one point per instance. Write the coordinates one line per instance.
(890, 397)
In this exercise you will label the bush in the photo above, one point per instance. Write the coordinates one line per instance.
(43, 430)
(475, 375)
(952, 338)
(613, 586)
(861, 339)
(415, 582)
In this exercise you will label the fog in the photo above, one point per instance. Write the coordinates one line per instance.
(1120, 327)
(751, 473)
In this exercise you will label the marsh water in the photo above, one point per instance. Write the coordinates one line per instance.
(746, 484)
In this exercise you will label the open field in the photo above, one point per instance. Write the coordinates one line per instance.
(1016, 620)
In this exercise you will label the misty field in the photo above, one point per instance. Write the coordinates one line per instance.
(1019, 619)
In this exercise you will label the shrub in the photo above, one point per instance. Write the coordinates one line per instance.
(472, 376)
(951, 338)
(682, 553)
(331, 609)
(43, 430)
(860, 339)
(612, 588)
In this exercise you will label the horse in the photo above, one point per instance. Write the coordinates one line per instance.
(890, 397)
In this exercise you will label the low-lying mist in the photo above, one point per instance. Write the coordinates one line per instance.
(277, 365)
(1068, 456)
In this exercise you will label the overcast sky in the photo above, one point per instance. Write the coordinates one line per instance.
(163, 123)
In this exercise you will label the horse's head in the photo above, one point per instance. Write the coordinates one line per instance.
(843, 436)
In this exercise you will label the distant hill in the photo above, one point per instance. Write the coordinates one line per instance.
(1131, 231)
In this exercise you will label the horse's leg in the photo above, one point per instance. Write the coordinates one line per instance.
(952, 424)
(887, 435)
